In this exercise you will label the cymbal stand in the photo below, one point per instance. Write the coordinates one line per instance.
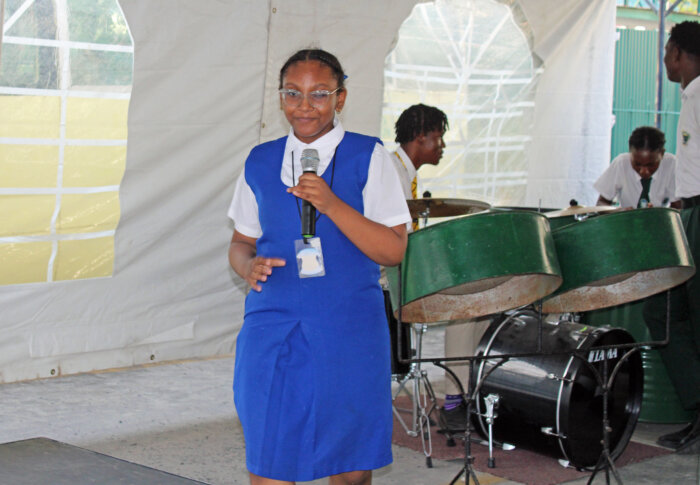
(469, 397)
(491, 406)
(423, 401)
(423, 419)
(605, 462)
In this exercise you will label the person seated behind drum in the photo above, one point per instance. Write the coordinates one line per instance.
(629, 177)
(419, 132)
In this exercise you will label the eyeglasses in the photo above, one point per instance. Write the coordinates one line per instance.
(317, 99)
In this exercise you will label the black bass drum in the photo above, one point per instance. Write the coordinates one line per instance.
(553, 403)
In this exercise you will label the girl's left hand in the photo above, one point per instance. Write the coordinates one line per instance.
(314, 189)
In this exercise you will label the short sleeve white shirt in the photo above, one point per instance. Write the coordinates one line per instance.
(382, 195)
(688, 142)
(406, 170)
(620, 178)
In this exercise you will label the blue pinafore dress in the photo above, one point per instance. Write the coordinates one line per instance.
(312, 379)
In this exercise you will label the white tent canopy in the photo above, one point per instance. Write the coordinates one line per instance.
(204, 92)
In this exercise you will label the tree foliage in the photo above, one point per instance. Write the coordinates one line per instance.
(89, 21)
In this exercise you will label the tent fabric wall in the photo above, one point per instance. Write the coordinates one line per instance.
(360, 33)
(573, 105)
(204, 87)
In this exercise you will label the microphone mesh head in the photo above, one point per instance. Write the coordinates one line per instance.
(309, 160)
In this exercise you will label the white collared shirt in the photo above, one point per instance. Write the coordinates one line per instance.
(688, 142)
(406, 170)
(383, 198)
(620, 178)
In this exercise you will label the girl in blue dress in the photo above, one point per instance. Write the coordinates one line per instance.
(312, 374)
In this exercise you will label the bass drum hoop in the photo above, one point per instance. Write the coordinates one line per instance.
(561, 393)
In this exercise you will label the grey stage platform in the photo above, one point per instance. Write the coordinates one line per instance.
(40, 461)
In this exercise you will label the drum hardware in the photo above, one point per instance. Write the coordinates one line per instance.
(575, 214)
(556, 392)
(550, 432)
(468, 397)
(570, 317)
(581, 211)
(490, 442)
(491, 407)
(605, 462)
(423, 401)
(559, 378)
(603, 388)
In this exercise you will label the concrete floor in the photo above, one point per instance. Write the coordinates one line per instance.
(179, 418)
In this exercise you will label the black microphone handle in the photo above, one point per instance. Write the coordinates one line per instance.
(308, 219)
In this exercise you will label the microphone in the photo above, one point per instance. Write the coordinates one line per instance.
(309, 163)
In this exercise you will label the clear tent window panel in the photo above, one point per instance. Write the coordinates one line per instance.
(473, 60)
(66, 70)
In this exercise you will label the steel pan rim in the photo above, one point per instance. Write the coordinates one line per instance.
(607, 216)
(599, 249)
(487, 213)
(552, 282)
(559, 303)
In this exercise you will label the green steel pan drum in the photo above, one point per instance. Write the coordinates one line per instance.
(621, 257)
(475, 265)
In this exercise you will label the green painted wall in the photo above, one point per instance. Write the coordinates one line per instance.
(634, 96)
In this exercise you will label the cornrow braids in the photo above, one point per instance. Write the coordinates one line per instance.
(319, 55)
(647, 138)
(686, 36)
(417, 120)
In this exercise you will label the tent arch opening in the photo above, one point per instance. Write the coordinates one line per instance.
(473, 60)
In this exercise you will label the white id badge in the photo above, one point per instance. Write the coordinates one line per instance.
(309, 257)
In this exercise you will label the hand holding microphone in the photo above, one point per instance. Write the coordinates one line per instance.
(315, 193)
(309, 164)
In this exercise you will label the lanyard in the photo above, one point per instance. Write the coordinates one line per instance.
(414, 182)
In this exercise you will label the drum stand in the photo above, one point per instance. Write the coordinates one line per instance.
(423, 401)
(605, 462)
(468, 469)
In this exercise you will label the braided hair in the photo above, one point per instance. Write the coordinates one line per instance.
(319, 55)
(418, 120)
(647, 138)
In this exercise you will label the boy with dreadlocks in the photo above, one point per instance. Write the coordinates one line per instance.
(419, 133)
